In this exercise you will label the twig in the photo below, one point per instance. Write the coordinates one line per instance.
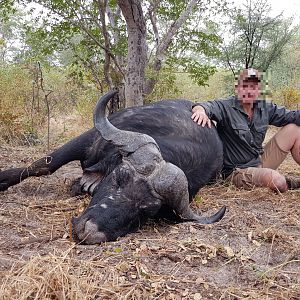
(37, 240)
(46, 94)
(281, 265)
(272, 243)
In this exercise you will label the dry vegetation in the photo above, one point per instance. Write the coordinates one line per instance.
(253, 253)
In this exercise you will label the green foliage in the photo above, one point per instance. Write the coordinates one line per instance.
(174, 85)
(165, 87)
(252, 38)
(285, 75)
(201, 44)
(195, 44)
(286, 71)
(11, 31)
(171, 9)
(198, 200)
(198, 73)
(51, 37)
(85, 105)
(7, 8)
(69, 34)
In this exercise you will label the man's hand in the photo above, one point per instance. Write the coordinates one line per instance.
(200, 117)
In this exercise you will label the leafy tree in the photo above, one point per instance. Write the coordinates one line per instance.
(129, 41)
(254, 38)
(286, 70)
(11, 30)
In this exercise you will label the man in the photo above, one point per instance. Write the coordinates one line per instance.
(242, 122)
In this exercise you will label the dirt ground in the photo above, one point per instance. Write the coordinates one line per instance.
(253, 253)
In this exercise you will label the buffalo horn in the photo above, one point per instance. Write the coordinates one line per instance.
(126, 141)
(214, 218)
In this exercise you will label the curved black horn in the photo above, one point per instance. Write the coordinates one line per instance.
(214, 218)
(126, 141)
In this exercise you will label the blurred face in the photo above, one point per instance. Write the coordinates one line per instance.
(248, 91)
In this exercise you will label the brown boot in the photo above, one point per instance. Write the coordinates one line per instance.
(293, 183)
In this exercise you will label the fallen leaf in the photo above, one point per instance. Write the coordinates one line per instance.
(188, 258)
(197, 296)
(229, 251)
(200, 280)
(193, 229)
(256, 243)
(250, 234)
(66, 235)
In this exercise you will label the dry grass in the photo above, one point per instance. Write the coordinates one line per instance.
(253, 253)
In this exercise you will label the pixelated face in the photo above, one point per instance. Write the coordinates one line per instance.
(248, 90)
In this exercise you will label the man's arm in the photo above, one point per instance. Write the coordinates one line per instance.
(280, 116)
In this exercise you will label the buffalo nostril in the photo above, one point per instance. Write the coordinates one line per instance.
(86, 231)
(92, 234)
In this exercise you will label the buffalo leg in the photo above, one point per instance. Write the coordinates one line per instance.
(73, 150)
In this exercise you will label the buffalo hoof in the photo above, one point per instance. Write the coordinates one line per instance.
(75, 188)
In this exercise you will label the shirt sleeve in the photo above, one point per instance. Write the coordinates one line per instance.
(280, 116)
(212, 109)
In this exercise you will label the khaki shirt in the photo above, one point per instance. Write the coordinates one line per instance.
(242, 138)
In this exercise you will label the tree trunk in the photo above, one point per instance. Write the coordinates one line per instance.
(137, 51)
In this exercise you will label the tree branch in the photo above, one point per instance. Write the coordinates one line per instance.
(102, 4)
(167, 39)
(165, 43)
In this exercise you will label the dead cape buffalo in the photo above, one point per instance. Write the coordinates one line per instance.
(142, 162)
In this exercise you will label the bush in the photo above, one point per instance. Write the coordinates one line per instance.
(86, 102)
(23, 109)
(288, 96)
(220, 85)
(15, 88)
(165, 88)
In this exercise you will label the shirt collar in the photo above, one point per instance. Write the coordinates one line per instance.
(235, 103)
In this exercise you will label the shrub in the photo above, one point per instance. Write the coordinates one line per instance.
(15, 88)
(23, 109)
(289, 96)
(219, 85)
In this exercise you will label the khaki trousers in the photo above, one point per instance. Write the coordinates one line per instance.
(271, 159)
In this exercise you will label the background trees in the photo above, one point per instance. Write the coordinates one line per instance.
(148, 49)
(130, 41)
(253, 38)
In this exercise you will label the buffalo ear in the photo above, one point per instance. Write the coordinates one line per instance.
(90, 180)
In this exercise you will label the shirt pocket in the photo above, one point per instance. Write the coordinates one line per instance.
(242, 131)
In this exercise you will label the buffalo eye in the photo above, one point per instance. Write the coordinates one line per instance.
(123, 176)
